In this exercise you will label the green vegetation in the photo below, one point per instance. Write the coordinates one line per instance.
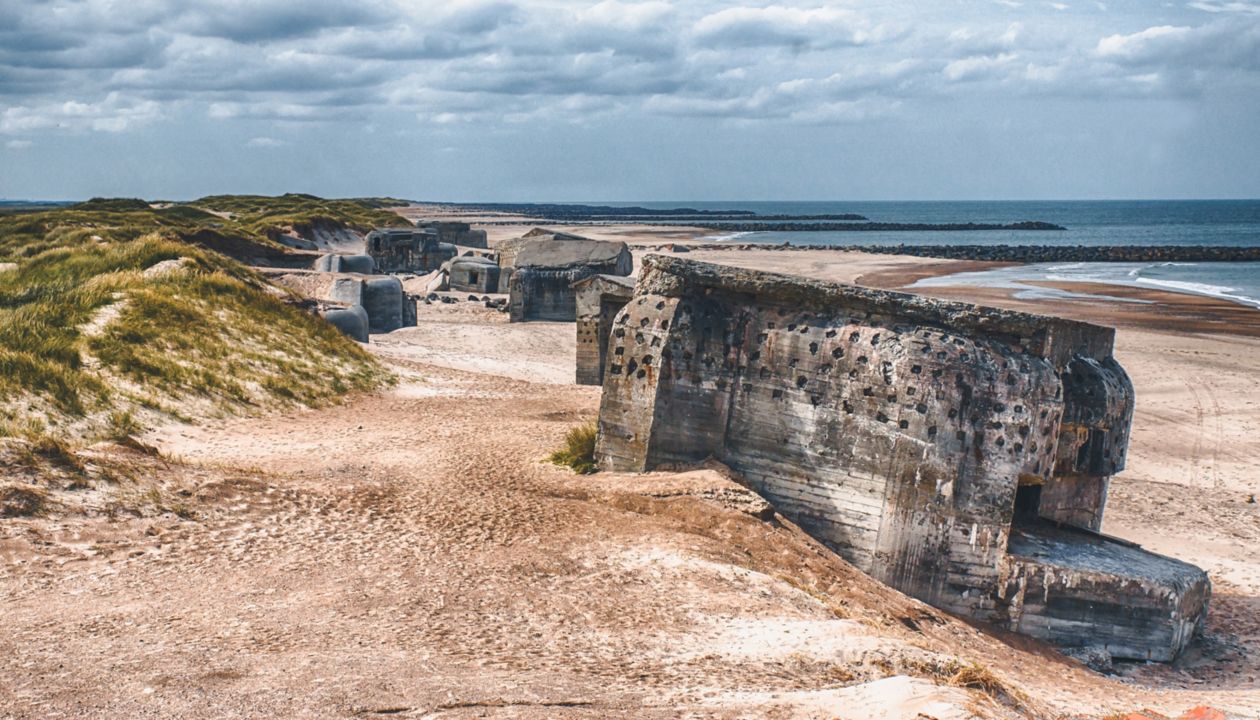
(121, 426)
(90, 342)
(113, 205)
(578, 452)
(238, 225)
(264, 215)
(26, 235)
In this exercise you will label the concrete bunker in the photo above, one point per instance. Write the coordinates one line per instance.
(455, 233)
(474, 274)
(541, 285)
(381, 299)
(405, 250)
(507, 250)
(599, 299)
(958, 453)
(345, 264)
(351, 320)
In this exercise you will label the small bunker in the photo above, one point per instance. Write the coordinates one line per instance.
(352, 320)
(474, 274)
(959, 453)
(507, 251)
(404, 250)
(382, 299)
(345, 264)
(455, 233)
(599, 299)
(541, 286)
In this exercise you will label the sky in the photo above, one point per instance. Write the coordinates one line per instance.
(494, 100)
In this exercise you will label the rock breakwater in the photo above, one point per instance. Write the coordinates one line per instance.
(1034, 253)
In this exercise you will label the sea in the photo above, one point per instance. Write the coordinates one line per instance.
(1104, 222)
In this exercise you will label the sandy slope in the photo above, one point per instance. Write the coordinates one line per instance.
(408, 554)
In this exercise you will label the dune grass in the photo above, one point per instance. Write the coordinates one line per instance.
(578, 452)
(248, 223)
(88, 340)
(263, 215)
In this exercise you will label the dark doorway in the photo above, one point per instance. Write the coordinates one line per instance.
(1027, 503)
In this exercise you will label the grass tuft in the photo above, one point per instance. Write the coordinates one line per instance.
(578, 452)
(973, 676)
(51, 449)
(122, 426)
(22, 501)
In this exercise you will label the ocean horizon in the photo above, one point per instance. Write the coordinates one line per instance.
(1225, 223)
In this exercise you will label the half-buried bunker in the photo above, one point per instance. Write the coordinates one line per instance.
(958, 453)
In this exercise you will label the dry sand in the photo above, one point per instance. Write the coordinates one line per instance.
(410, 554)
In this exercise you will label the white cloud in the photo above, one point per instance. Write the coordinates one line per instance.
(114, 113)
(789, 26)
(18, 144)
(87, 68)
(971, 68)
(1227, 7)
(1136, 44)
(627, 17)
(1229, 45)
(264, 142)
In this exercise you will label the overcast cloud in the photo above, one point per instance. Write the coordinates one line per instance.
(465, 99)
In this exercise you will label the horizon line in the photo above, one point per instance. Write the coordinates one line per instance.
(657, 201)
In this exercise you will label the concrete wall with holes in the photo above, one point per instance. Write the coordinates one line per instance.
(895, 429)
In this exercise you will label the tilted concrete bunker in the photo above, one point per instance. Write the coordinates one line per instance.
(958, 453)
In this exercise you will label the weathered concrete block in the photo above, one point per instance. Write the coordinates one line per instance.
(1067, 586)
(455, 233)
(474, 274)
(545, 269)
(383, 300)
(407, 250)
(381, 297)
(507, 250)
(911, 435)
(352, 321)
(356, 264)
(347, 290)
(598, 299)
(345, 264)
(473, 239)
